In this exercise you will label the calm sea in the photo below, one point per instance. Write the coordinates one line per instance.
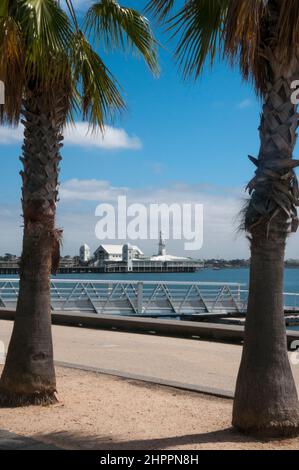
(207, 275)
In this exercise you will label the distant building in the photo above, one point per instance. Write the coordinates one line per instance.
(68, 262)
(84, 253)
(162, 262)
(106, 253)
(129, 254)
(10, 257)
(9, 262)
(129, 258)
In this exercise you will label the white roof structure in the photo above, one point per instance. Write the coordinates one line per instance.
(117, 249)
(135, 248)
(111, 249)
(166, 258)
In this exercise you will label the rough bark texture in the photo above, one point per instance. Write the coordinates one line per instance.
(266, 400)
(29, 376)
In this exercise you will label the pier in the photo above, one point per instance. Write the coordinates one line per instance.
(62, 270)
(117, 267)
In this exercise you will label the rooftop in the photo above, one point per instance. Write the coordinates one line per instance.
(168, 258)
(111, 249)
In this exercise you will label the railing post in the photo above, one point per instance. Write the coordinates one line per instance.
(140, 298)
(239, 292)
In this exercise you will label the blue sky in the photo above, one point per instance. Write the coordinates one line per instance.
(195, 137)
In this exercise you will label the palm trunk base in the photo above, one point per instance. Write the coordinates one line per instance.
(288, 427)
(13, 400)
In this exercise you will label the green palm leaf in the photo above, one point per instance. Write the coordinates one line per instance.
(12, 60)
(124, 28)
(236, 29)
(47, 33)
(42, 47)
(3, 8)
(160, 8)
(199, 23)
(97, 89)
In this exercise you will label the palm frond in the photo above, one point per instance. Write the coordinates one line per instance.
(288, 29)
(47, 33)
(125, 28)
(259, 33)
(12, 59)
(256, 35)
(43, 50)
(243, 38)
(160, 8)
(4, 8)
(98, 91)
(199, 24)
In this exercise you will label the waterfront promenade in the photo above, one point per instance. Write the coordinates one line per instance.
(191, 364)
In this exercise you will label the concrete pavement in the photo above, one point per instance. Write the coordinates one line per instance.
(191, 364)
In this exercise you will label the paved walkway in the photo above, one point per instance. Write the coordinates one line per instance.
(196, 365)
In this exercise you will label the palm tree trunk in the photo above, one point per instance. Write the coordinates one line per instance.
(29, 376)
(266, 401)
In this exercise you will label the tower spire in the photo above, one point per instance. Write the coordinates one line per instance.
(162, 245)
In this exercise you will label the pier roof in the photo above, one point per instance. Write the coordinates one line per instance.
(111, 249)
(169, 258)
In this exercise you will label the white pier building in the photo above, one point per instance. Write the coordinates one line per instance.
(129, 258)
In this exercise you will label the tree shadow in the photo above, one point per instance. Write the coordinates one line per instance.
(68, 440)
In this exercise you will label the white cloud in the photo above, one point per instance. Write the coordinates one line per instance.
(221, 207)
(10, 135)
(244, 104)
(79, 198)
(102, 190)
(80, 135)
(76, 216)
(89, 190)
(112, 138)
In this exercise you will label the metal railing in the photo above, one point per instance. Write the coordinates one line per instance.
(291, 300)
(147, 298)
(144, 298)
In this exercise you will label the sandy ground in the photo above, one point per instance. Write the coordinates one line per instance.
(104, 413)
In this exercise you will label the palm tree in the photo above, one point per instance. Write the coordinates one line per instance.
(262, 38)
(53, 72)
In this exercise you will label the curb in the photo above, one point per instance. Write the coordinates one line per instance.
(217, 332)
(218, 393)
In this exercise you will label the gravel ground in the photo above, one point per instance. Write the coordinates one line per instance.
(100, 412)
